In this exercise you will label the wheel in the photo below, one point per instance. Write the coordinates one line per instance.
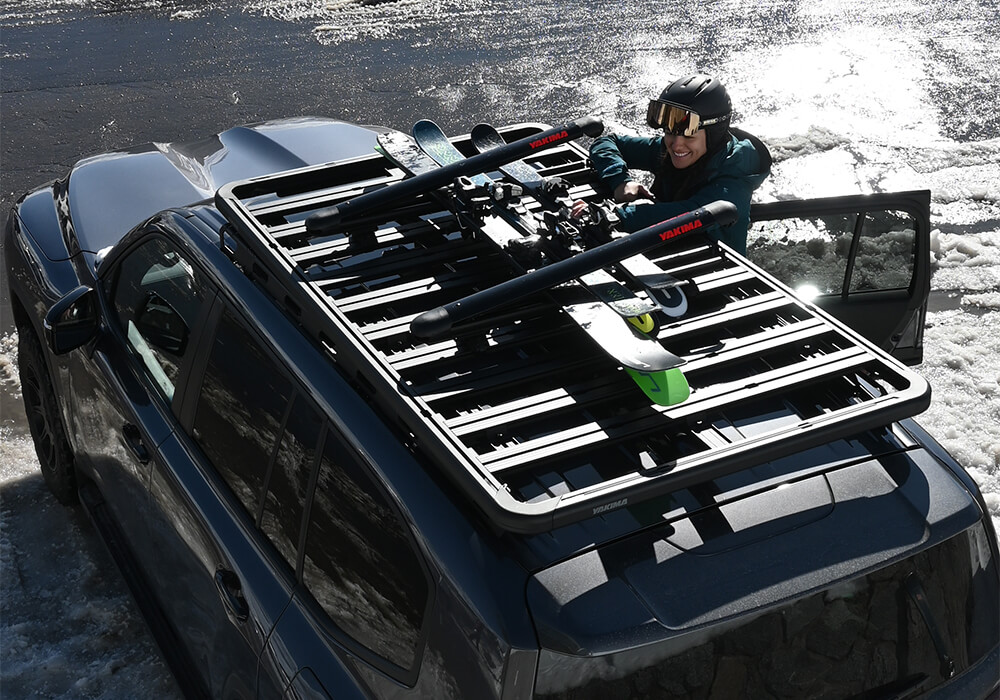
(47, 431)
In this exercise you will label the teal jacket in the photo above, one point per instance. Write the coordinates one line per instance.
(732, 174)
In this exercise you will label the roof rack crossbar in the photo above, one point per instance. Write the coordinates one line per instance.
(597, 389)
(734, 310)
(697, 407)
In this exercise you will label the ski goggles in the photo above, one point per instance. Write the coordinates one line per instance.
(677, 120)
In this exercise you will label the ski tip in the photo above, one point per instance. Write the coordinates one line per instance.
(424, 125)
(665, 388)
(485, 131)
(590, 126)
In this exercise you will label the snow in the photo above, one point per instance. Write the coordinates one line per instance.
(962, 358)
(69, 628)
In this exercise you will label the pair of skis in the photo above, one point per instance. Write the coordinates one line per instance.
(662, 288)
(654, 370)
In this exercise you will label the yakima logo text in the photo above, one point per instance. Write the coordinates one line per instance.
(610, 506)
(550, 139)
(683, 228)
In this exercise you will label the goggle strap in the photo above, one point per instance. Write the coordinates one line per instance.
(709, 122)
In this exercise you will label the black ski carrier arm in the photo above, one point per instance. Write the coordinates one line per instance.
(332, 217)
(443, 318)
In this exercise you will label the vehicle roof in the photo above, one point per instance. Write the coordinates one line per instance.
(111, 193)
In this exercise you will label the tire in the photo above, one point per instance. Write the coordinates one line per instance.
(44, 420)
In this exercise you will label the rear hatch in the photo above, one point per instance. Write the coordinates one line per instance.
(865, 577)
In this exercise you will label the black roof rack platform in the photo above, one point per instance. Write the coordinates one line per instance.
(530, 420)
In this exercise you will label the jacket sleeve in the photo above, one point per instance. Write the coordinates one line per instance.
(613, 155)
(731, 189)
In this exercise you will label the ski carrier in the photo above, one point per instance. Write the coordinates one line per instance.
(522, 411)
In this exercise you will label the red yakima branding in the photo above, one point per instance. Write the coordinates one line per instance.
(683, 228)
(550, 139)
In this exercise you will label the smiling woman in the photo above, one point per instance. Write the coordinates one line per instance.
(699, 159)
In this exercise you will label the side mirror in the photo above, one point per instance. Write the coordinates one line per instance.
(72, 321)
(161, 326)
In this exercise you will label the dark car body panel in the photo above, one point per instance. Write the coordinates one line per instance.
(703, 573)
(111, 193)
(693, 578)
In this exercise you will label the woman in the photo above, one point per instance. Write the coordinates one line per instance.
(699, 159)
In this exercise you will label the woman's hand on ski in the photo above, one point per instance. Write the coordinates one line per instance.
(630, 191)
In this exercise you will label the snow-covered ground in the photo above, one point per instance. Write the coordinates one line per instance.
(69, 628)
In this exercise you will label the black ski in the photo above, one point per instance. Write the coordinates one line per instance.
(663, 289)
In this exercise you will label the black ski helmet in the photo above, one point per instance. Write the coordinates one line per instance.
(701, 94)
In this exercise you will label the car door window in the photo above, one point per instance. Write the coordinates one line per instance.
(360, 564)
(240, 409)
(886, 253)
(837, 254)
(157, 296)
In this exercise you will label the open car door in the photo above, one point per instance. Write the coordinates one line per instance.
(865, 259)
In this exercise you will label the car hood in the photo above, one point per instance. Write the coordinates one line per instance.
(111, 193)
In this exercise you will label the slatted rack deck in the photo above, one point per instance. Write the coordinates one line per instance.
(527, 416)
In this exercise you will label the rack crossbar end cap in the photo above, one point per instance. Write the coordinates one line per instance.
(431, 323)
(323, 219)
(590, 126)
(722, 212)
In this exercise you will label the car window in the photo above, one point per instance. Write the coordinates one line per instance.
(886, 253)
(288, 483)
(240, 410)
(360, 565)
(157, 296)
(822, 255)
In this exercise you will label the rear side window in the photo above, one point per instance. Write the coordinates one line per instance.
(240, 410)
(360, 564)
(264, 438)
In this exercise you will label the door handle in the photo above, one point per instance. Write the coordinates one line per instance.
(133, 440)
(231, 592)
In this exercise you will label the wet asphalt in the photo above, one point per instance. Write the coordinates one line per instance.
(89, 81)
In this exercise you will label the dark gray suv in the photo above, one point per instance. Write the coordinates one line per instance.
(309, 499)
